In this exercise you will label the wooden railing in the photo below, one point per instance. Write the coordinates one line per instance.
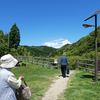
(49, 62)
(87, 64)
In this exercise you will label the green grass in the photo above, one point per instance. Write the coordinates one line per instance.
(37, 77)
(81, 87)
(80, 84)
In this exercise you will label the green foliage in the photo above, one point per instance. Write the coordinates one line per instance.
(14, 36)
(90, 55)
(3, 44)
(83, 48)
(72, 60)
(13, 51)
(39, 50)
(84, 45)
(21, 51)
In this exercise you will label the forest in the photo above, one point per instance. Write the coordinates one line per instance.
(10, 43)
(83, 47)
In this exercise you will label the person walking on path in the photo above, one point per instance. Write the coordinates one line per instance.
(63, 60)
(8, 82)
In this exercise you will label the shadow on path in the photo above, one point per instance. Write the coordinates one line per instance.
(64, 77)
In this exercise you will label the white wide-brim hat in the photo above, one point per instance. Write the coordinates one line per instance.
(8, 61)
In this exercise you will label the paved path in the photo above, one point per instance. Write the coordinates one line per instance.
(58, 87)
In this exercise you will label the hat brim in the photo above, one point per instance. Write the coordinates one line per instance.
(10, 64)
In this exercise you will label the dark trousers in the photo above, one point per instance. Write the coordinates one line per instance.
(63, 70)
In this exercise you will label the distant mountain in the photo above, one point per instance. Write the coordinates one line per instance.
(40, 50)
(85, 44)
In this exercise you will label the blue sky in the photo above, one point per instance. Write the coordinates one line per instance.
(48, 22)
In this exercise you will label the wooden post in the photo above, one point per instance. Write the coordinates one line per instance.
(99, 65)
(16, 57)
(32, 60)
(78, 63)
(37, 60)
(86, 65)
(22, 58)
(57, 64)
(27, 59)
(48, 63)
(42, 62)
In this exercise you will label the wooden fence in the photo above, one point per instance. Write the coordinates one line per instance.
(49, 62)
(87, 64)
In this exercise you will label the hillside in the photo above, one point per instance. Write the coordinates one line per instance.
(84, 45)
(39, 50)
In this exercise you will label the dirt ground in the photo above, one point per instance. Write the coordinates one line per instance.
(57, 88)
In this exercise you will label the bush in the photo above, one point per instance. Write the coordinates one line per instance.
(72, 60)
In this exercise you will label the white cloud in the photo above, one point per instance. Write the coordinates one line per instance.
(66, 42)
(57, 43)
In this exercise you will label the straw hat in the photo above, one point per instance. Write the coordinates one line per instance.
(8, 61)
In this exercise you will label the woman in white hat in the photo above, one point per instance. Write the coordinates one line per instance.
(8, 82)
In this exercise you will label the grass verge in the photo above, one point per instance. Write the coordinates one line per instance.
(81, 87)
(38, 78)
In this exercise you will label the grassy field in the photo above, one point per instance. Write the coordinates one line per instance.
(81, 87)
(80, 84)
(38, 78)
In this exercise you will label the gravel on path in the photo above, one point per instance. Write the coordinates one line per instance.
(58, 87)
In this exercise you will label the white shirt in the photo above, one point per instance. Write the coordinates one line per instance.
(12, 81)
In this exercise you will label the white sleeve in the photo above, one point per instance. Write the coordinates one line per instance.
(12, 81)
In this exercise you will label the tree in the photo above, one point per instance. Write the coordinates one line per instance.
(21, 51)
(3, 44)
(14, 37)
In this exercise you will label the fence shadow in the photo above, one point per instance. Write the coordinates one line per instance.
(88, 76)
